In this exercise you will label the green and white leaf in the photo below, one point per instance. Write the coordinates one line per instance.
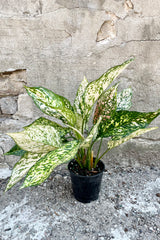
(15, 150)
(124, 99)
(124, 123)
(115, 143)
(46, 122)
(79, 121)
(26, 143)
(92, 135)
(96, 88)
(77, 133)
(78, 99)
(46, 132)
(52, 104)
(106, 105)
(43, 168)
(22, 167)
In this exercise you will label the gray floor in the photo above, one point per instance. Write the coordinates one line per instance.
(128, 208)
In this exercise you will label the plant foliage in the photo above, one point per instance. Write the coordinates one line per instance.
(44, 144)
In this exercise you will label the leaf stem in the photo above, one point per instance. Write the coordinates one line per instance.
(88, 162)
(76, 130)
(97, 160)
(84, 158)
(91, 161)
(79, 162)
(82, 126)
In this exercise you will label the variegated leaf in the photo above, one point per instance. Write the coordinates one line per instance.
(79, 121)
(15, 150)
(22, 167)
(52, 104)
(43, 168)
(92, 135)
(77, 133)
(26, 143)
(78, 98)
(124, 99)
(46, 122)
(106, 105)
(124, 123)
(115, 143)
(46, 132)
(96, 88)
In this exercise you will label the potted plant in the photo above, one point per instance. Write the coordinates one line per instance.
(45, 144)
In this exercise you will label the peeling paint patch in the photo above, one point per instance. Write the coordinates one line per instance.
(128, 5)
(106, 31)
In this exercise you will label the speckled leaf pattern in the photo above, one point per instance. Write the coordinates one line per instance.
(115, 143)
(78, 98)
(124, 99)
(52, 104)
(92, 135)
(46, 132)
(26, 143)
(46, 122)
(106, 105)
(96, 88)
(22, 167)
(15, 150)
(43, 168)
(79, 120)
(124, 123)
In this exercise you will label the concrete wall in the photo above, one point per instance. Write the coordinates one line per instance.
(55, 43)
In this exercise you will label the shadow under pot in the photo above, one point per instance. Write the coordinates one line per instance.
(86, 188)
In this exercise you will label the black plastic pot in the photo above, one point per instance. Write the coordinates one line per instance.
(86, 188)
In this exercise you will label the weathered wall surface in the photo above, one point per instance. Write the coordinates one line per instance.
(55, 43)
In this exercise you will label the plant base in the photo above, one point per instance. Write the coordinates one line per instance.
(86, 188)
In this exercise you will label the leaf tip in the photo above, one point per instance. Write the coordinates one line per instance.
(27, 89)
(23, 186)
(7, 188)
(10, 134)
(131, 59)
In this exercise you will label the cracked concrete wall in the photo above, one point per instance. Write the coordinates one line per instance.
(58, 42)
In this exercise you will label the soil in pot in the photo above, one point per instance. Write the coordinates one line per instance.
(86, 184)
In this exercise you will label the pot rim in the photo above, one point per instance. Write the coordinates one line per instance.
(81, 176)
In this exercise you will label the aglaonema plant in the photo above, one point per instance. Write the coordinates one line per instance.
(45, 144)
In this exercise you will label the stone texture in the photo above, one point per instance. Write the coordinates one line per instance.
(147, 8)
(24, 106)
(13, 125)
(11, 82)
(8, 105)
(5, 145)
(5, 172)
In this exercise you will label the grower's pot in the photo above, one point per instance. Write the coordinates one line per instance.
(86, 188)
